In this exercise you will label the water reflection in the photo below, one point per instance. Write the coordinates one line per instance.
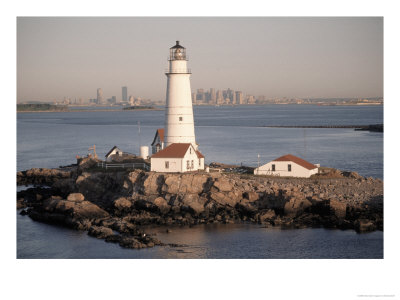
(38, 240)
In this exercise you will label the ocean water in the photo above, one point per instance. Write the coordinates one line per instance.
(228, 134)
(236, 241)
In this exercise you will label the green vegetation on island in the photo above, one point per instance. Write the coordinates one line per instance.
(40, 107)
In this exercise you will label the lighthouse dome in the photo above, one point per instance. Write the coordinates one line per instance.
(177, 46)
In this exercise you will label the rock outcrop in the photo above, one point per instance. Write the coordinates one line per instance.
(114, 205)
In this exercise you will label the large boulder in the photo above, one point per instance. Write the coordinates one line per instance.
(162, 205)
(266, 215)
(131, 242)
(230, 198)
(100, 232)
(198, 184)
(122, 203)
(246, 208)
(194, 203)
(296, 206)
(338, 208)
(82, 177)
(78, 210)
(75, 197)
(153, 183)
(251, 196)
(184, 183)
(223, 185)
(171, 184)
(87, 162)
(271, 201)
(364, 225)
(350, 174)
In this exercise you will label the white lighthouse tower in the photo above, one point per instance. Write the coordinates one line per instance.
(179, 124)
(181, 152)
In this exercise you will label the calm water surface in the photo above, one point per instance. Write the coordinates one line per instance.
(225, 134)
(38, 240)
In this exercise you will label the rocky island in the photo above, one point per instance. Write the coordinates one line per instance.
(117, 205)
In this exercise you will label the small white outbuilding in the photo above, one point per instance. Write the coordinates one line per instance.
(115, 151)
(288, 165)
(177, 157)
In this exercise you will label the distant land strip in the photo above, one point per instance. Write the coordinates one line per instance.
(64, 108)
(374, 127)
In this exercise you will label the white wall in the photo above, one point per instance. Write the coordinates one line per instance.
(178, 164)
(158, 164)
(192, 157)
(179, 104)
(201, 166)
(281, 169)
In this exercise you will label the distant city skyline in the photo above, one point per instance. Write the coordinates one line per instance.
(272, 56)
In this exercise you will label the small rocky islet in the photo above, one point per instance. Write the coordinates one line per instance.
(118, 205)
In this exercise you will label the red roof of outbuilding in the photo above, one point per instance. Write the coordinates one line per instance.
(176, 150)
(297, 160)
(160, 132)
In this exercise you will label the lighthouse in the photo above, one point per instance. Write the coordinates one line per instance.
(179, 122)
(181, 152)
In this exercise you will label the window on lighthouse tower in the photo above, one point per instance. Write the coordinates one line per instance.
(180, 119)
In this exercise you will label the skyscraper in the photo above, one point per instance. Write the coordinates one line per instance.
(220, 98)
(213, 96)
(233, 101)
(239, 97)
(124, 94)
(99, 96)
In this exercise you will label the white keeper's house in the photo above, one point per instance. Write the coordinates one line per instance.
(288, 165)
(174, 148)
(178, 157)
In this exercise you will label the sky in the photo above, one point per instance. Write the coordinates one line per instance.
(306, 57)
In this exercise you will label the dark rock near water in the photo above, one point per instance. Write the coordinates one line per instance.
(100, 232)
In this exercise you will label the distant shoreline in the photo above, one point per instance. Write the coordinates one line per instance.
(85, 110)
(294, 104)
(373, 127)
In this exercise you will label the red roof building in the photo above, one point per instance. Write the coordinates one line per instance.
(177, 157)
(287, 166)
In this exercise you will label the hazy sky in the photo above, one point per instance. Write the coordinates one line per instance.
(272, 56)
